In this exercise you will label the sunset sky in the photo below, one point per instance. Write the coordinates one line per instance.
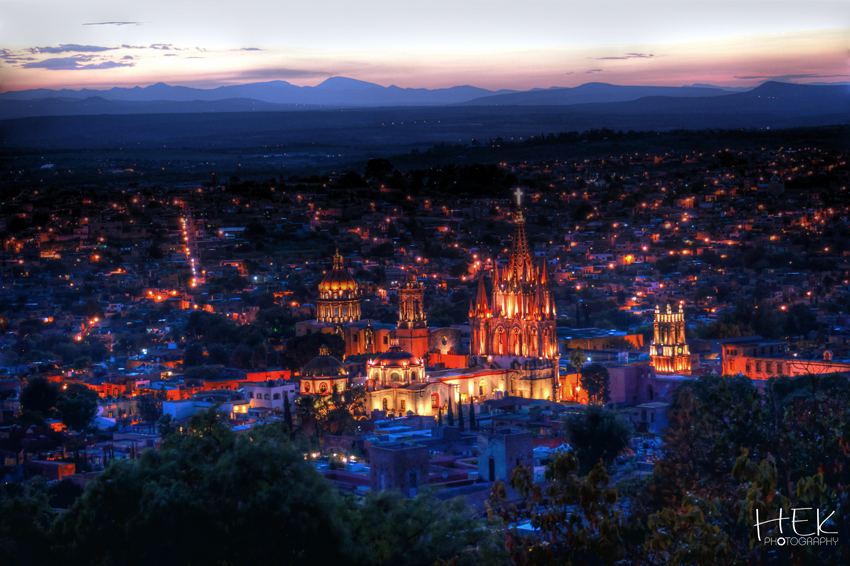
(487, 43)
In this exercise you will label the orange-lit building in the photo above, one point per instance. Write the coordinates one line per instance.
(516, 328)
(760, 360)
(412, 331)
(669, 351)
(339, 295)
(323, 375)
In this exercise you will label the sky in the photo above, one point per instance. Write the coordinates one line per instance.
(492, 44)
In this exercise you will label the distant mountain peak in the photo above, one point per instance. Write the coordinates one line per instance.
(345, 82)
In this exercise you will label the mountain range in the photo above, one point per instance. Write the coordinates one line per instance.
(110, 123)
(334, 92)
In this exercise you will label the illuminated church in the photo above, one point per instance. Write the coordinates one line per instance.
(338, 312)
(669, 351)
(516, 327)
(339, 295)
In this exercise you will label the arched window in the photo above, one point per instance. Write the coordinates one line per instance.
(266, 396)
(323, 388)
(499, 342)
(412, 376)
(435, 400)
(250, 395)
(276, 396)
(385, 404)
(402, 406)
(516, 343)
(394, 376)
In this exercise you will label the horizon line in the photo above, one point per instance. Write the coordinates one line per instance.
(692, 85)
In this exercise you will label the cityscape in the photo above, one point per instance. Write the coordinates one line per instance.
(438, 324)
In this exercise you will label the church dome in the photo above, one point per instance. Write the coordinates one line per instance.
(338, 280)
(396, 357)
(324, 365)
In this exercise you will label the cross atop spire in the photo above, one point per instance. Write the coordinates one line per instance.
(518, 192)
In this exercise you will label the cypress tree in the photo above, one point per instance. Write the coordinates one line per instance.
(460, 416)
(472, 424)
(440, 417)
(287, 412)
(450, 414)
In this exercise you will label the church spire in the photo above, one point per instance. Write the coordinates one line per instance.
(519, 268)
(481, 306)
(544, 274)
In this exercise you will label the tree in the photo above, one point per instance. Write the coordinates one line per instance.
(688, 534)
(460, 422)
(78, 412)
(598, 434)
(594, 379)
(258, 355)
(577, 358)
(165, 425)
(421, 531)
(205, 373)
(450, 415)
(221, 493)
(150, 405)
(25, 519)
(63, 493)
(578, 521)
(334, 414)
(241, 356)
(39, 395)
(193, 355)
(472, 424)
(378, 168)
(287, 411)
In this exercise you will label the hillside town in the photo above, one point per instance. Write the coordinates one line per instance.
(455, 315)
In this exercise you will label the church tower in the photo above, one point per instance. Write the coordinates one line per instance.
(517, 326)
(669, 350)
(339, 295)
(412, 331)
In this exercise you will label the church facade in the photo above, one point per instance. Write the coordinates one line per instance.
(516, 328)
(669, 351)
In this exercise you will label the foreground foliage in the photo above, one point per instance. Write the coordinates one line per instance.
(213, 497)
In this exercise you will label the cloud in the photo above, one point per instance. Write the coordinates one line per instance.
(171, 54)
(593, 71)
(156, 46)
(628, 56)
(788, 77)
(75, 63)
(113, 24)
(248, 49)
(280, 73)
(130, 57)
(71, 48)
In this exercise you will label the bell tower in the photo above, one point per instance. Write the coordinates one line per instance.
(412, 330)
(669, 350)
